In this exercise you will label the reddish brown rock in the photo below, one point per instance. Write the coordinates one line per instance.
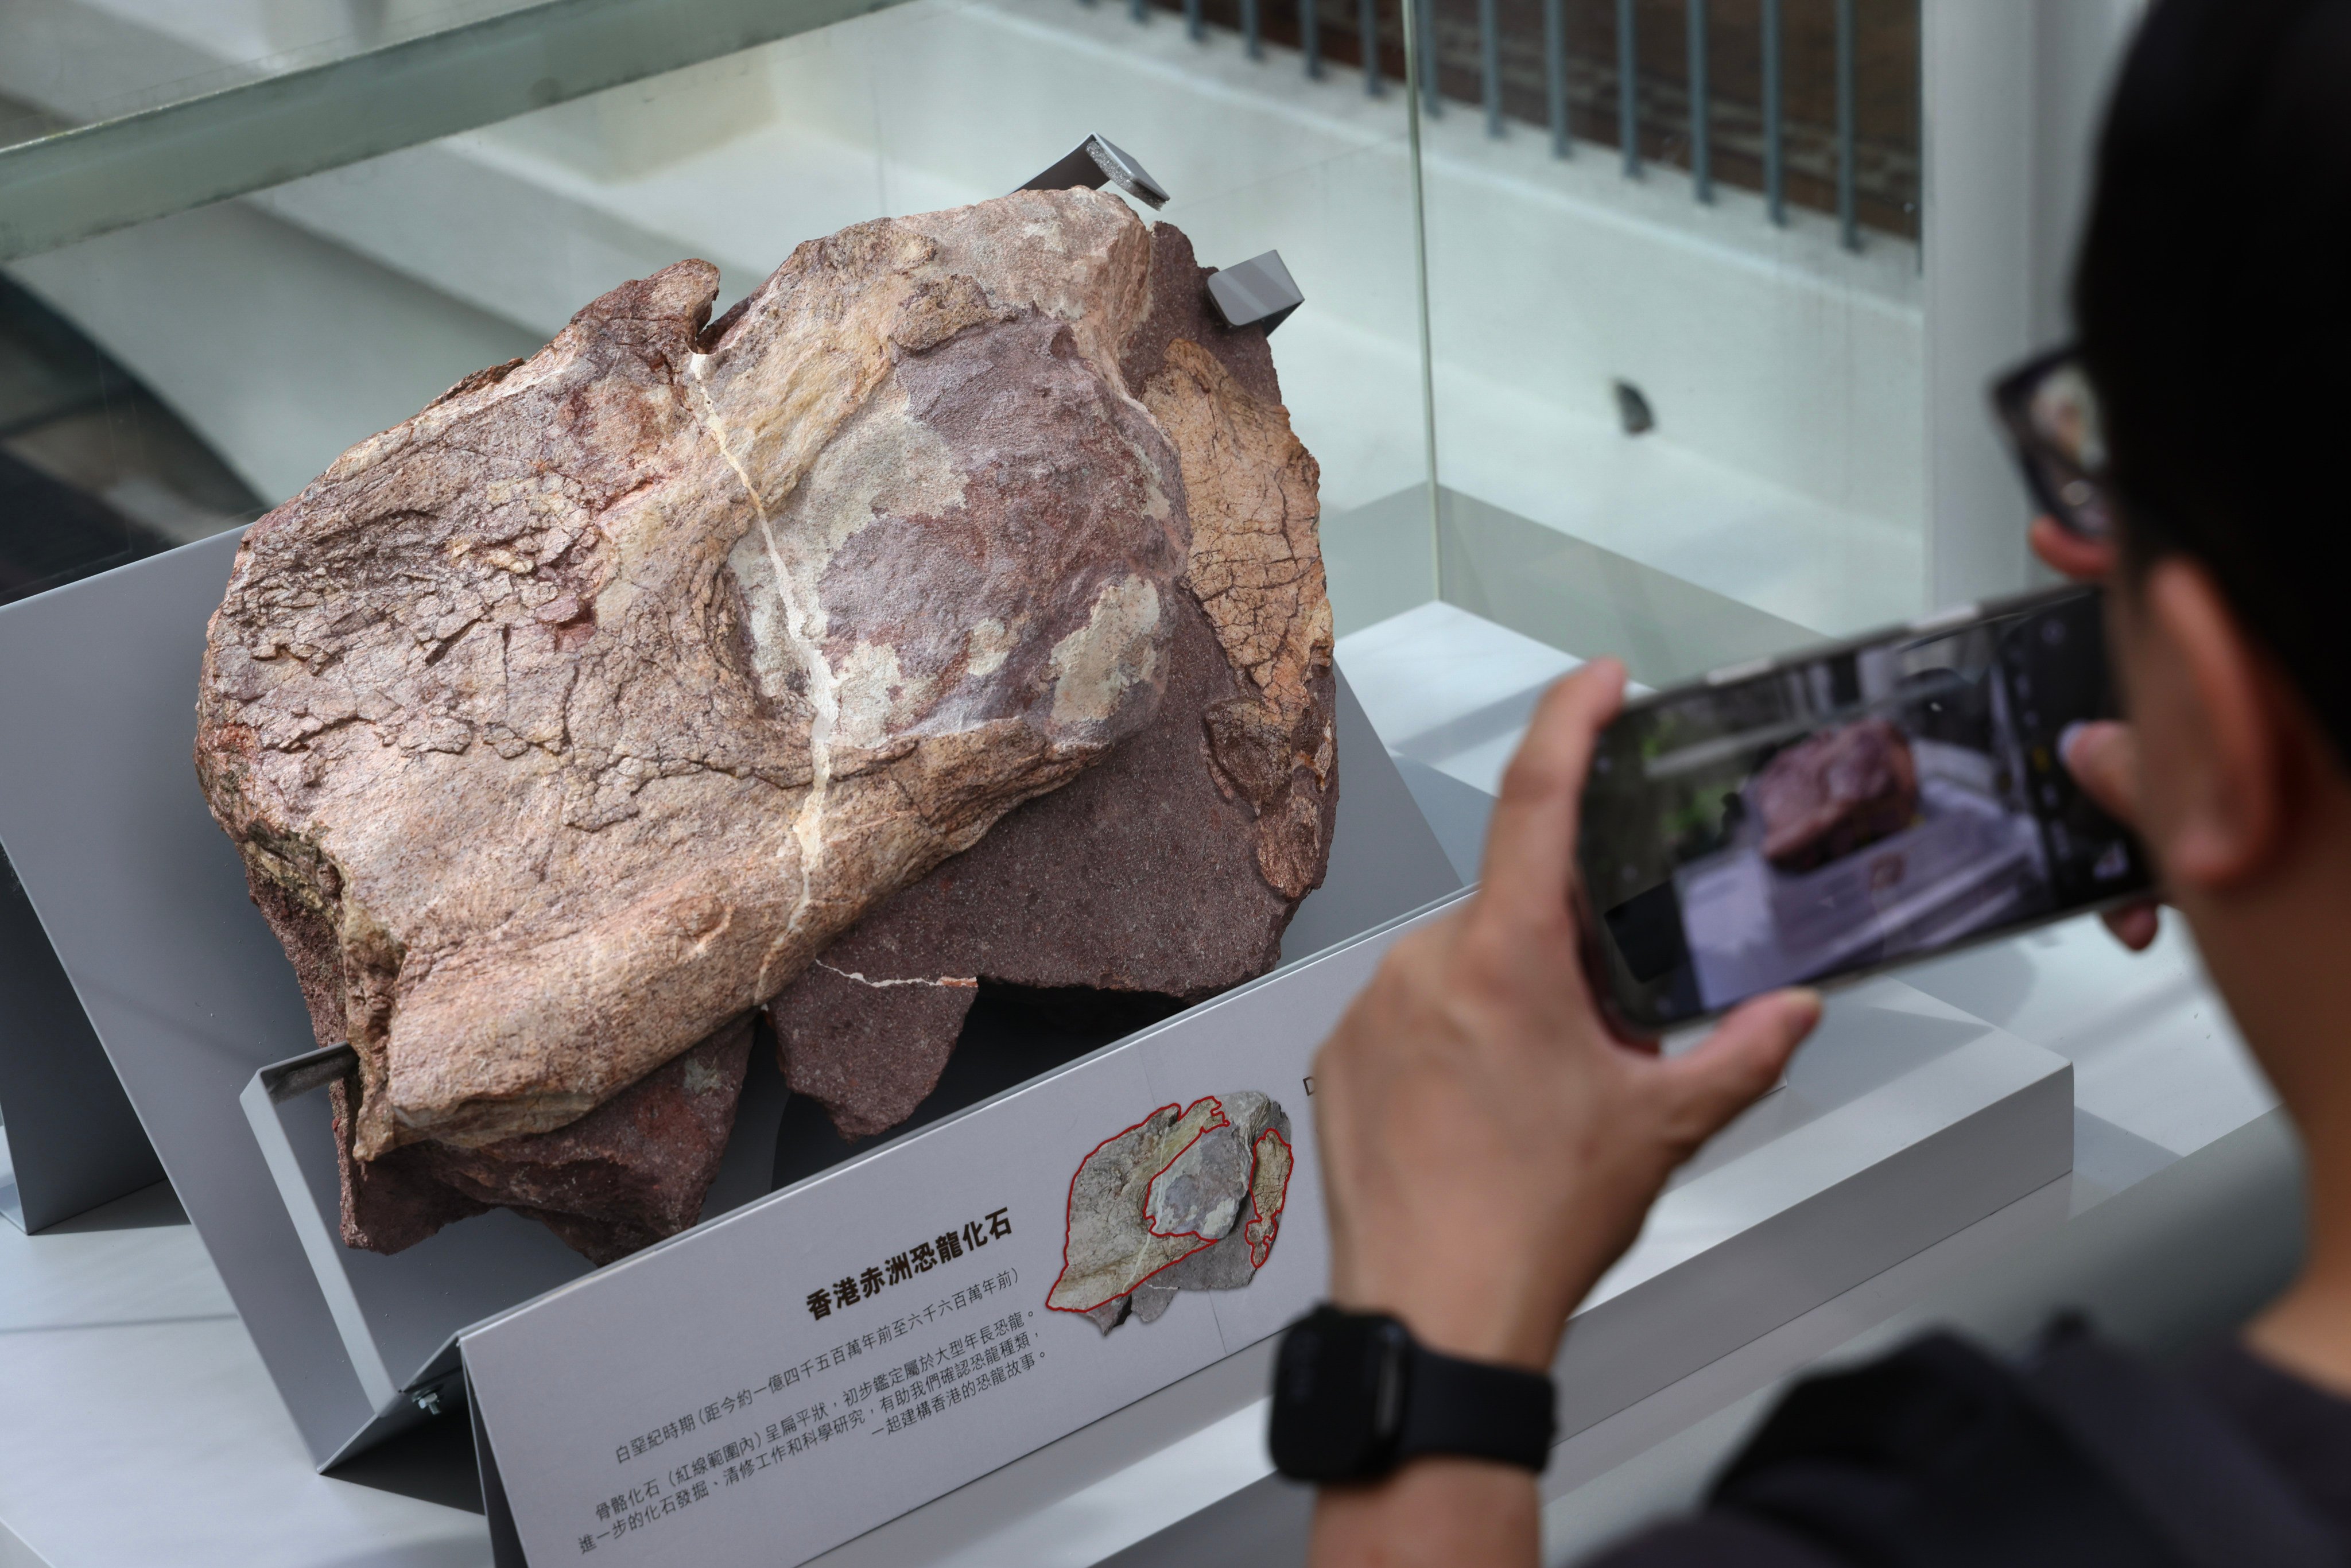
(589, 703)
(630, 1171)
(394, 1202)
(626, 1174)
(571, 718)
(870, 1047)
(1174, 867)
(1838, 792)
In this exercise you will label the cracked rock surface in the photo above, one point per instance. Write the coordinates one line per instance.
(1189, 1198)
(567, 722)
(1173, 866)
(592, 703)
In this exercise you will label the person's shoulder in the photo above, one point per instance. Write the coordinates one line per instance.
(1715, 1540)
(2079, 1454)
(2303, 1430)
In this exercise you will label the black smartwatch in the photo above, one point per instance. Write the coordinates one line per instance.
(1354, 1396)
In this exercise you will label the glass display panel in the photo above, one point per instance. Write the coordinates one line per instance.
(74, 62)
(1677, 321)
(285, 326)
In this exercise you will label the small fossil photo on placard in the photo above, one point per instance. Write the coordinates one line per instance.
(1189, 1198)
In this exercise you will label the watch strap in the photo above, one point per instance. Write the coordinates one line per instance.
(1476, 1410)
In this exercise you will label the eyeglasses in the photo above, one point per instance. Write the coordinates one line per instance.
(2051, 414)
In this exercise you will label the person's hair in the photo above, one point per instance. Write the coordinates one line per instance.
(2213, 299)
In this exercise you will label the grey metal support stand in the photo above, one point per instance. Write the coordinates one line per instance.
(73, 1139)
(1775, 161)
(1701, 106)
(1555, 73)
(1258, 292)
(1097, 161)
(1628, 91)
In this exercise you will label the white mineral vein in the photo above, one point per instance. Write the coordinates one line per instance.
(955, 980)
(823, 685)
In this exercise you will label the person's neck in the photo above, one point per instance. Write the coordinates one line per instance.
(2280, 953)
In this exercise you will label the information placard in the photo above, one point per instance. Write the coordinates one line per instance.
(763, 1388)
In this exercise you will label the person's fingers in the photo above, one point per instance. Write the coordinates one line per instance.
(1736, 1064)
(2103, 757)
(2134, 925)
(2068, 554)
(1531, 841)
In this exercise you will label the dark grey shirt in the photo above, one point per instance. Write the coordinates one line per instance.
(2303, 1431)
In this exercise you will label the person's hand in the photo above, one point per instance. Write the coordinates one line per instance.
(1489, 1147)
(2101, 756)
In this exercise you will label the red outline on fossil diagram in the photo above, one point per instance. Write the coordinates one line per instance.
(1153, 1184)
(1257, 1259)
(1262, 1248)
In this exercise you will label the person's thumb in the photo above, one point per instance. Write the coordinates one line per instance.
(2103, 757)
(1735, 1066)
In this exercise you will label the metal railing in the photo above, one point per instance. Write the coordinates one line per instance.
(1816, 107)
(1832, 123)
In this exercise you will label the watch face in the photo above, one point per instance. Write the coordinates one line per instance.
(1338, 1395)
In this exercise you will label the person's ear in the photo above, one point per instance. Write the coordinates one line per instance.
(2228, 761)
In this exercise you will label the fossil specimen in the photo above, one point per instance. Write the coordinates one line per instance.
(567, 722)
(1838, 792)
(1190, 1197)
(1173, 866)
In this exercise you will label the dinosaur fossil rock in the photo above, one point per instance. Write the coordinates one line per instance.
(1173, 866)
(566, 723)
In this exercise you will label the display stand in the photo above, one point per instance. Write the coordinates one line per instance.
(398, 1317)
(1258, 292)
(72, 1140)
(1097, 161)
(144, 901)
(193, 999)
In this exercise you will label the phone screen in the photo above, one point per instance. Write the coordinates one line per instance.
(1836, 811)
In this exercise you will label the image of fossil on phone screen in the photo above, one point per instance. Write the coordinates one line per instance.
(1884, 799)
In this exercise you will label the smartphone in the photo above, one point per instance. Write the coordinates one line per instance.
(1845, 808)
